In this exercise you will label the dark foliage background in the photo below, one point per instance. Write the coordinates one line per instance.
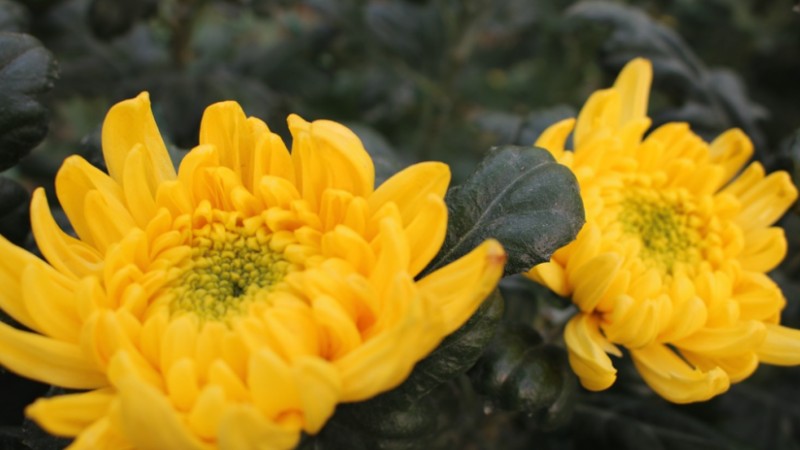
(425, 80)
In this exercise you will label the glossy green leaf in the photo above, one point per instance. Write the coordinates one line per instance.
(410, 30)
(520, 372)
(110, 18)
(27, 70)
(611, 420)
(519, 196)
(13, 17)
(711, 100)
(14, 199)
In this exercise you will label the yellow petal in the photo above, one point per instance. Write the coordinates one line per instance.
(600, 114)
(758, 297)
(68, 415)
(109, 338)
(128, 123)
(458, 288)
(12, 266)
(672, 378)
(333, 207)
(207, 412)
(182, 384)
(551, 275)
(633, 84)
(319, 386)
(744, 336)
(747, 180)
(101, 434)
(350, 246)
(410, 188)
(764, 249)
(587, 353)
(554, 137)
(731, 150)
(179, 341)
(50, 300)
(244, 428)
(139, 196)
(634, 322)
(225, 127)
(47, 360)
(380, 364)
(593, 279)
(220, 374)
(426, 232)
(293, 331)
(272, 158)
(67, 254)
(781, 346)
(738, 367)
(339, 332)
(74, 181)
(174, 197)
(393, 255)
(767, 201)
(329, 155)
(277, 192)
(689, 316)
(271, 384)
(143, 407)
(193, 165)
(108, 220)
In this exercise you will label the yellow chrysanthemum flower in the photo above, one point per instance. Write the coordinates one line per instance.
(235, 303)
(671, 263)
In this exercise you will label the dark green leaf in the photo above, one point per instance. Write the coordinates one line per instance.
(11, 438)
(712, 100)
(14, 199)
(519, 372)
(110, 18)
(519, 196)
(27, 70)
(514, 129)
(35, 438)
(628, 422)
(504, 126)
(772, 392)
(408, 29)
(13, 17)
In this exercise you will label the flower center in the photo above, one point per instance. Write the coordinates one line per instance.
(662, 222)
(230, 267)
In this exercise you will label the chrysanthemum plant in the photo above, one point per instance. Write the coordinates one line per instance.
(237, 301)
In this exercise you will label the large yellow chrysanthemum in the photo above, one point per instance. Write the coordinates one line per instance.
(235, 303)
(671, 263)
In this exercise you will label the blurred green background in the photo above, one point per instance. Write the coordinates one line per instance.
(424, 80)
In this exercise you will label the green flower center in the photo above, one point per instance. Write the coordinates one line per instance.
(663, 224)
(229, 270)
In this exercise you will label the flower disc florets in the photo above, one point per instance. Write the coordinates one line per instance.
(231, 265)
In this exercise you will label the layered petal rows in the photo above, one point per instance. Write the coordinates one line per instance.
(235, 302)
(671, 263)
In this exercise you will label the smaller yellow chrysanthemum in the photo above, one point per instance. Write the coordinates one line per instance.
(671, 262)
(235, 303)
